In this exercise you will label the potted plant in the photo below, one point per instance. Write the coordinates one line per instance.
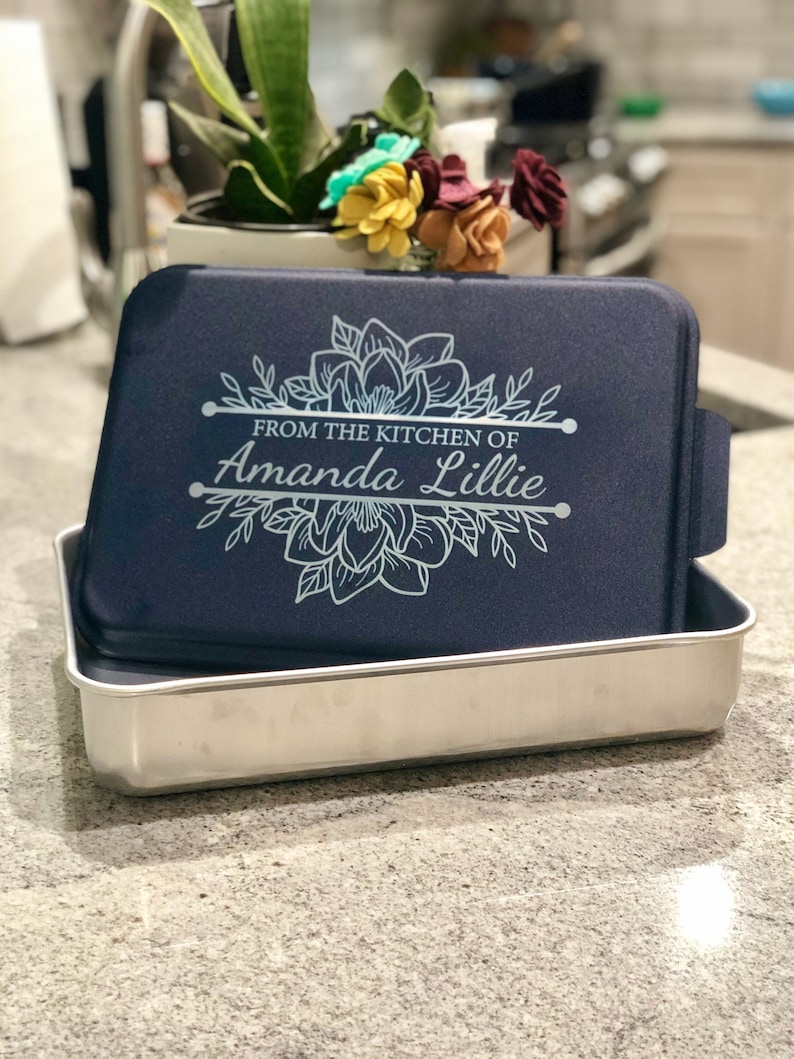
(376, 185)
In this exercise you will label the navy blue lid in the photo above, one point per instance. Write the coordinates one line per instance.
(304, 467)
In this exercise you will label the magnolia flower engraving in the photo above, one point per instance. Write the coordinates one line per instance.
(375, 372)
(346, 546)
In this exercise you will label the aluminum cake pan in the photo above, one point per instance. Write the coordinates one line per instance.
(162, 732)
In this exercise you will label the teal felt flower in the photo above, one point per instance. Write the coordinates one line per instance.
(389, 147)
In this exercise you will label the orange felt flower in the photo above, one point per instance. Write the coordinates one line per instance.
(470, 240)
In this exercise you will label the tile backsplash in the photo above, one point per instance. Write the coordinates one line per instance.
(357, 46)
(707, 51)
(690, 50)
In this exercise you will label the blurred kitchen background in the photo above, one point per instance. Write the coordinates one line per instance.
(674, 169)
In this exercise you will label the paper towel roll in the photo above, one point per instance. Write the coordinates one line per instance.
(39, 264)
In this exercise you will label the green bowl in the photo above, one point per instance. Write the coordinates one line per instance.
(641, 105)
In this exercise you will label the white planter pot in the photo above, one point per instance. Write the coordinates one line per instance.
(202, 242)
(527, 252)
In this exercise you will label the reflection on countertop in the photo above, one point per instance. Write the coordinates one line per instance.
(631, 901)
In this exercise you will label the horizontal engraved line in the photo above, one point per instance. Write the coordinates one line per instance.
(567, 426)
(198, 489)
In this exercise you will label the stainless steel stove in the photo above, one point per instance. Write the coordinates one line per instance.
(611, 227)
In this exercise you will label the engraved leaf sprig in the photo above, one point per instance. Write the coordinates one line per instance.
(470, 528)
(481, 401)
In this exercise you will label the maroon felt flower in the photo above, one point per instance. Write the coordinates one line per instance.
(429, 170)
(537, 193)
(457, 191)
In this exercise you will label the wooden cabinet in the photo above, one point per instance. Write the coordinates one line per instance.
(729, 246)
(722, 270)
(783, 337)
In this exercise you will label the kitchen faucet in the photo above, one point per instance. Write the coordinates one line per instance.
(127, 90)
(105, 289)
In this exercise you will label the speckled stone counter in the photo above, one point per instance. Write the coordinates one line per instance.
(627, 902)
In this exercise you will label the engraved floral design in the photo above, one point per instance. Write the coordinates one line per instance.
(347, 546)
(373, 371)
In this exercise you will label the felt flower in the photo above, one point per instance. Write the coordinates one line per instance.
(383, 208)
(470, 239)
(429, 170)
(389, 147)
(537, 193)
(457, 191)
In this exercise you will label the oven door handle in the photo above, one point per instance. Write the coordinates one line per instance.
(632, 253)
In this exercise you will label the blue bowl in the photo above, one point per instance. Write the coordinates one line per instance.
(774, 97)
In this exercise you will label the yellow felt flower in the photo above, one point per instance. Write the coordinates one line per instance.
(383, 208)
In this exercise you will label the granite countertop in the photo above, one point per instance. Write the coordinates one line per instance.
(630, 901)
(729, 125)
(750, 394)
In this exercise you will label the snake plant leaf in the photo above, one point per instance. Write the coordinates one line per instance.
(310, 187)
(191, 31)
(407, 107)
(224, 141)
(229, 145)
(318, 138)
(274, 37)
(248, 195)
